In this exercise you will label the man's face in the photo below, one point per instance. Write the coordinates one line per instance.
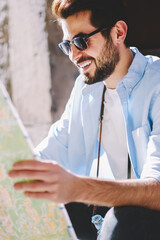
(99, 60)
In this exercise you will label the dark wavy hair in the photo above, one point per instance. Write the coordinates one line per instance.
(104, 13)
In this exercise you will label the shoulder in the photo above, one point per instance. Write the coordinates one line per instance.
(152, 72)
(153, 65)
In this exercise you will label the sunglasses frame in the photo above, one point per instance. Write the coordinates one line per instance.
(84, 38)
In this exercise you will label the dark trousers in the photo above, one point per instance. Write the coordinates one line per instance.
(131, 223)
(80, 215)
(120, 223)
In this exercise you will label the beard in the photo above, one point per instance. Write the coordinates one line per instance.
(105, 63)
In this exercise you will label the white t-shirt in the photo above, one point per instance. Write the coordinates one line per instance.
(114, 140)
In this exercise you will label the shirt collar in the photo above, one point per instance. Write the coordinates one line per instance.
(130, 80)
(89, 88)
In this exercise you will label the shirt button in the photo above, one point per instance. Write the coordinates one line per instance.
(130, 89)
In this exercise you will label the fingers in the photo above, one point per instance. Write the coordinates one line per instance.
(34, 164)
(39, 190)
(50, 180)
(35, 186)
(43, 195)
(34, 175)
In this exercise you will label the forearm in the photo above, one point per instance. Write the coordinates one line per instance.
(140, 192)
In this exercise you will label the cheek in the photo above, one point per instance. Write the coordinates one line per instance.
(95, 52)
(91, 53)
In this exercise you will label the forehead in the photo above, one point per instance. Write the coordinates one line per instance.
(77, 23)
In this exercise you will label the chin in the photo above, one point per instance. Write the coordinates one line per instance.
(89, 77)
(89, 80)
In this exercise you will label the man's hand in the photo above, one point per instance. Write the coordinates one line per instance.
(50, 180)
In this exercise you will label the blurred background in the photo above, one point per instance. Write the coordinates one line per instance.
(38, 76)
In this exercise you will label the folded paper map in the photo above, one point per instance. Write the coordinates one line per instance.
(22, 218)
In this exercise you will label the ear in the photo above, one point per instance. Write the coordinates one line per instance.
(119, 32)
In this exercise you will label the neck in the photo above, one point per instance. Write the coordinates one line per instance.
(126, 58)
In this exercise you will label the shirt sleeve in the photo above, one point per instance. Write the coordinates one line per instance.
(55, 145)
(152, 165)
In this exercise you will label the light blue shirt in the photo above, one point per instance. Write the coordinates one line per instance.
(72, 141)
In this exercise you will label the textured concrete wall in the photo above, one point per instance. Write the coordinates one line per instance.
(29, 65)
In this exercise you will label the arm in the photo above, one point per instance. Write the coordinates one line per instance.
(59, 185)
(142, 192)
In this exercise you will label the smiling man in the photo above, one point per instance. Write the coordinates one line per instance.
(121, 87)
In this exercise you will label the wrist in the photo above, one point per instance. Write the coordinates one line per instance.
(79, 188)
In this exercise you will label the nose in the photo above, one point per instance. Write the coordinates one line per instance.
(74, 54)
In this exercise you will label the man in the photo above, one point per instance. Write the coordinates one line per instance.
(95, 38)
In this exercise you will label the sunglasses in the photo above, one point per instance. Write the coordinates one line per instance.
(79, 42)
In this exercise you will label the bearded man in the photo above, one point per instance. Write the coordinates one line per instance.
(121, 87)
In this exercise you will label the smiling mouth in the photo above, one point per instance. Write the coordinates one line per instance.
(85, 64)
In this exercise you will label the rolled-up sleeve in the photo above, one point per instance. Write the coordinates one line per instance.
(152, 165)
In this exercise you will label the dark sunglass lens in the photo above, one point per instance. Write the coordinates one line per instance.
(80, 43)
(65, 47)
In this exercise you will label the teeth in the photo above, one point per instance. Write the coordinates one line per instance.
(85, 64)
